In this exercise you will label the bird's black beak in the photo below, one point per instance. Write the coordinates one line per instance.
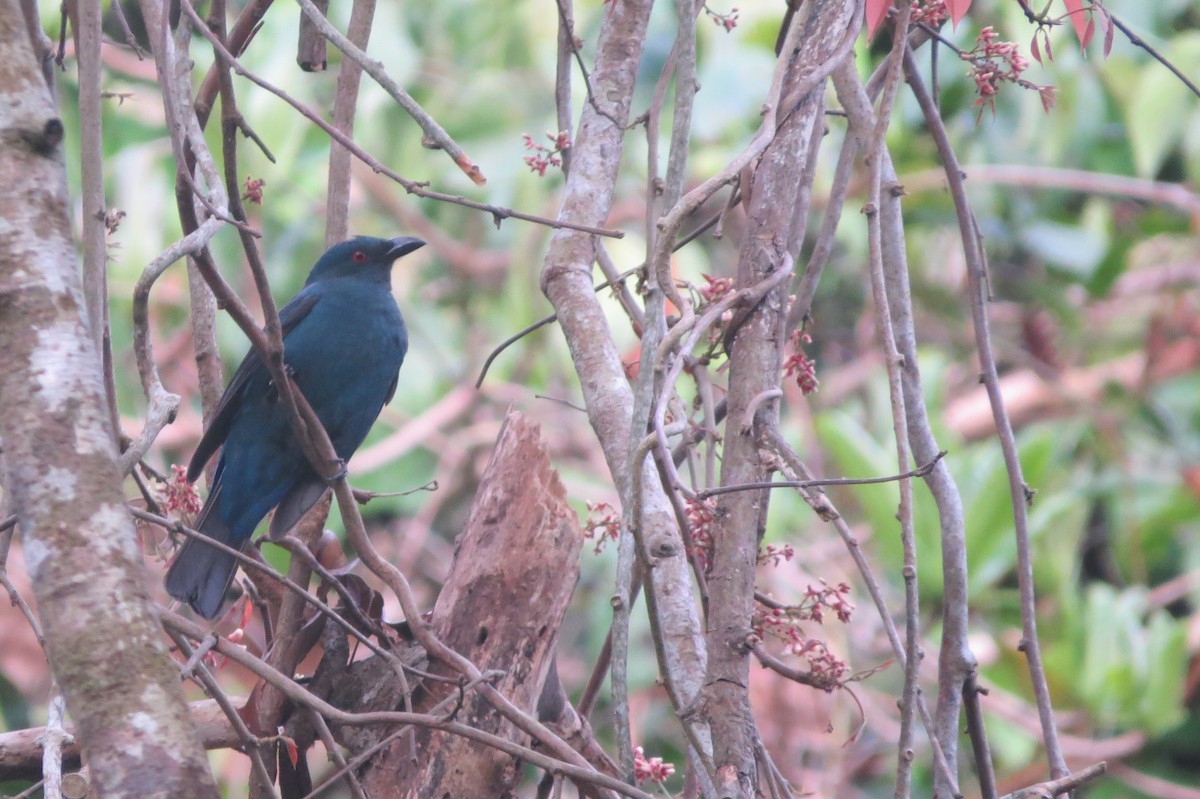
(403, 245)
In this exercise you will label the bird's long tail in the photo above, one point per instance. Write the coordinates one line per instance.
(201, 574)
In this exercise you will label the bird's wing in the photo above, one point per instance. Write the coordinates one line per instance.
(295, 503)
(231, 400)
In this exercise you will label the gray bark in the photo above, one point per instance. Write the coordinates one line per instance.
(102, 641)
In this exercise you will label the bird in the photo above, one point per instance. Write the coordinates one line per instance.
(344, 341)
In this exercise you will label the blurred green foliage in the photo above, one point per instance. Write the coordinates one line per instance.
(1113, 518)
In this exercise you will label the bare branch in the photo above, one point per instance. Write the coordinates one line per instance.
(95, 254)
(498, 213)
(1019, 491)
(579, 772)
(829, 481)
(435, 137)
(345, 101)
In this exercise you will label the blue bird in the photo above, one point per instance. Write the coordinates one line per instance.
(344, 341)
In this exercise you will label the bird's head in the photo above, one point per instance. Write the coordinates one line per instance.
(362, 255)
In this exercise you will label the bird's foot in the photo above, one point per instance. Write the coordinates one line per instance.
(273, 390)
(338, 475)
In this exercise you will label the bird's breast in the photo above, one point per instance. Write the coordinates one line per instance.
(345, 357)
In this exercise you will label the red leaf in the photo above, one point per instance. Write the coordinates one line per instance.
(876, 13)
(1034, 50)
(1089, 32)
(1191, 478)
(1079, 19)
(292, 751)
(957, 9)
(1107, 22)
(250, 712)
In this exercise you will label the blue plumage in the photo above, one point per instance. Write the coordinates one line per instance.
(344, 341)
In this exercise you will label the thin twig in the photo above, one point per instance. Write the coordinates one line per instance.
(1138, 41)
(247, 561)
(514, 338)
(887, 339)
(776, 665)
(829, 481)
(1058, 787)
(252, 746)
(437, 711)
(545, 320)
(566, 20)
(53, 737)
(91, 169)
(562, 74)
(335, 754)
(979, 741)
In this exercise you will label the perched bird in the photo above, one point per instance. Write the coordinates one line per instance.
(343, 342)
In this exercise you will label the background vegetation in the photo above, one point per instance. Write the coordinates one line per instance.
(1090, 217)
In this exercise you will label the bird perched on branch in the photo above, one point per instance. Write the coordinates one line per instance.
(344, 341)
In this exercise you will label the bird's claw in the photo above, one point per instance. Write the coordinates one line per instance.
(338, 475)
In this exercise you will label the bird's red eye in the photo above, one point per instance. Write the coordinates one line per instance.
(359, 256)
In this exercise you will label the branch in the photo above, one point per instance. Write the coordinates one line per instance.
(1138, 41)
(21, 750)
(956, 660)
(435, 137)
(1063, 785)
(776, 665)
(498, 213)
(1172, 195)
(920, 471)
(1019, 492)
(580, 772)
(345, 102)
(893, 361)
(91, 166)
(826, 510)
(566, 281)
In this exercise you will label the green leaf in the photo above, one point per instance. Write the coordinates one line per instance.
(1158, 114)
(1161, 706)
(1073, 249)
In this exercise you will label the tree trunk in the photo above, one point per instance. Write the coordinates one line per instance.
(104, 646)
(755, 342)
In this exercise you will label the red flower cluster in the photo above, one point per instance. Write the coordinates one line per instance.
(798, 364)
(602, 524)
(929, 12)
(785, 624)
(715, 287)
(544, 157)
(700, 517)
(180, 496)
(775, 555)
(254, 190)
(779, 625)
(727, 21)
(650, 768)
(831, 597)
(993, 62)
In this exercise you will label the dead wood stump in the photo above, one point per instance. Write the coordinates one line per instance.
(515, 567)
